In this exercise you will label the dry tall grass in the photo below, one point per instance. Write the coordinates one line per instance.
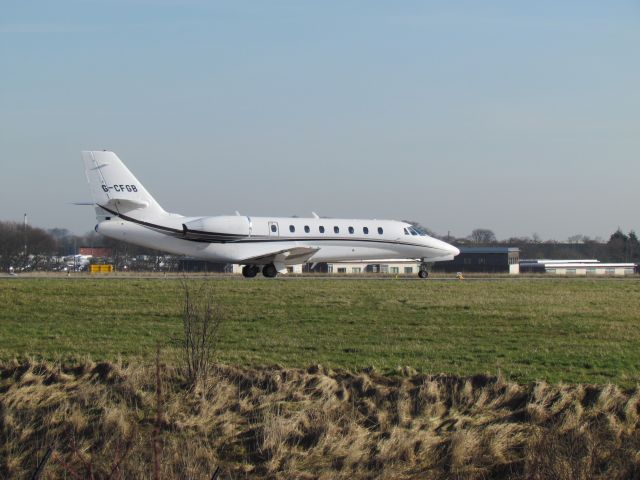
(287, 423)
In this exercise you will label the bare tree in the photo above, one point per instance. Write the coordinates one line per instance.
(23, 246)
(202, 320)
(578, 238)
(482, 236)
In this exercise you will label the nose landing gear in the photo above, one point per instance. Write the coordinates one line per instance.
(423, 272)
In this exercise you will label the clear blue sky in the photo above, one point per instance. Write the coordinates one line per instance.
(521, 117)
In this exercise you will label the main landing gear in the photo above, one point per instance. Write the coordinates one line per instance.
(250, 271)
(269, 271)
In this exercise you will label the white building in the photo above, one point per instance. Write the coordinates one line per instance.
(391, 267)
(591, 268)
(584, 267)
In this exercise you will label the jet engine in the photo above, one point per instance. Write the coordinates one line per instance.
(220, 228)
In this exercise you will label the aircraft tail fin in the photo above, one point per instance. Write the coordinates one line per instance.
(115, 190)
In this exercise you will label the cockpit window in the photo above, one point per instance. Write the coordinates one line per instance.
(416, 231)
(406, 231)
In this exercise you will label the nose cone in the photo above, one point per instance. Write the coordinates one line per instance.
(443, 249)
(450, 249)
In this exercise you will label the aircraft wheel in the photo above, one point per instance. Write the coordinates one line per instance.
(423, 274)
(249, 271)
(269, 271)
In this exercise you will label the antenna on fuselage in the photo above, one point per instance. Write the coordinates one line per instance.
(315, 215)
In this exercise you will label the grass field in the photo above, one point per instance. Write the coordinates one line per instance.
(280, 422)
(557, 330)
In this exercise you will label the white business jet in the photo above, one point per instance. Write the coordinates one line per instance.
(127, 212)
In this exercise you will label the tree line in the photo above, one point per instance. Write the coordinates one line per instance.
(620, 247)
(25, 247)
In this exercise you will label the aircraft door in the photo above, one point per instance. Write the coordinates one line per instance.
(274, 231)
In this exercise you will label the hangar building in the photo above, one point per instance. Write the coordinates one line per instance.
(483, 259)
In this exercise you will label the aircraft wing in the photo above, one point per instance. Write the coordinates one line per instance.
(281, 258)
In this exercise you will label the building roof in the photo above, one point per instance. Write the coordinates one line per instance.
(488, 249)
(590, 265)
(551, 262)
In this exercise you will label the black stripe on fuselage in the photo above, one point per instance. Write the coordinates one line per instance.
(214, 234)
(141, 222)
(233, 238)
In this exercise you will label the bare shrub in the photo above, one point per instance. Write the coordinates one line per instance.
(202, 320)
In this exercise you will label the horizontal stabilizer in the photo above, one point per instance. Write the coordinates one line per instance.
(125, 204)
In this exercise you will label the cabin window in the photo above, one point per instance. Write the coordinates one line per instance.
(321, 228)
(336, 230)
(292, 229)
(380, 231)
(365, 230)
(274, 229)
(351, 230)
(306, 229)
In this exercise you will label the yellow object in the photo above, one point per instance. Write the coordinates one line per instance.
(459, 276)
(100, 268)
